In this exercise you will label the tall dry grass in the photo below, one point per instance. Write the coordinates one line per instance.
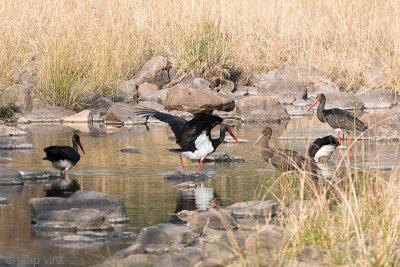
(352, 218)
(105, 41)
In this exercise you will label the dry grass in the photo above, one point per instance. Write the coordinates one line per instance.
(107, 41)
(352, 218)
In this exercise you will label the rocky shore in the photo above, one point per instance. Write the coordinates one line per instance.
(215, 237)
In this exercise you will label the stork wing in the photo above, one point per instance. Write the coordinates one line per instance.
(196, 126)
(174, 122)
(55, 153)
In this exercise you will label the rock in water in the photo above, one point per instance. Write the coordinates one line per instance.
(223, 158)
(87, 210)
(10, 177)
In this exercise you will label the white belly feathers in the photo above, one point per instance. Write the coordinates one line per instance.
(62, 164)
(203, 148)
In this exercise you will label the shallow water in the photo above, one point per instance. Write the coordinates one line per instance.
(137, 178)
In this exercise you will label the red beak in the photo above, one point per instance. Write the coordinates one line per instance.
(313, 104)
(79, 143)
(230, 132)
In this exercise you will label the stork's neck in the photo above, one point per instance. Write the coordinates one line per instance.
(320, 110)
(266, 151)
(75, 146)
(217, 142)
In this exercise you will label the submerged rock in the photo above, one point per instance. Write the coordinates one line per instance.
(3, 201)
(130, 149)
(14, 144)
(87, 210)
(221, 157)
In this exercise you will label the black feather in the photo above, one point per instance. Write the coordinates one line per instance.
(174, 122)
(195, 127)
(320, 142)
(55, 153)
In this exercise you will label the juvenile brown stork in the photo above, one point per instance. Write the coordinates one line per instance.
(336, 118)
(63, 158)
(193, 136)
(284, 159)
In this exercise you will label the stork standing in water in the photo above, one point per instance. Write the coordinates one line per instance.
(63, 158)
(284, 159)
(322, 148)
(194, 136)
(336, 118)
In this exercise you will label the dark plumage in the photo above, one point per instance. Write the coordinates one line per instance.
(284, 159)
(322, 148)
(338, 119)
(194, 136)
(64, 158)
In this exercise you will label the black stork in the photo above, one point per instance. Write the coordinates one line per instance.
(64, 158)
(284, 159)
(336, 118)
(322, 148)
(193, 136)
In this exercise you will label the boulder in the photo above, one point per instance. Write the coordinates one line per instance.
(156, 96)
(227, 88)
(378, 98)
(383, 125)
(81, 211)
(10, 177)
(154, 71)
(147, 88)
(196, 96)
(263, 80)
(268, 239)
(253, 209)
(11, 131)
(335, 98)
(279, 86)
(81, 117)
(261, 108)
(126, 90)
(123, 113)
(159, 239)
(286, 98)
(213, 219)
(40, 111)
(97, 104)
(246, 90)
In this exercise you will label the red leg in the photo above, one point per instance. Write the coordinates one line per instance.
(338, 136)
(198, 169)
(183, 168)
(351, 138)
(64, 172)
